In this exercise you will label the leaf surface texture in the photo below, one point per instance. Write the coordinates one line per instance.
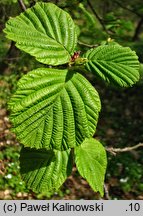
(44, 31)
(115, 64)
(54, 108)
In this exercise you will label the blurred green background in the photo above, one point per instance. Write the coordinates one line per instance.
(121, 119)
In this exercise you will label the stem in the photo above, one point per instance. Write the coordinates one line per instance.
(114, 151)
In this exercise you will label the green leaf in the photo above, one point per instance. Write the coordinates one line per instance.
(54, 109)
(45, 171)
(91, 162)
(115, 64)
(44, 31)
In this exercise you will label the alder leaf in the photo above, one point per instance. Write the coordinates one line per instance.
(54, 108)
(44, 31)
(115, 64)
(45, 171)
(91, 162)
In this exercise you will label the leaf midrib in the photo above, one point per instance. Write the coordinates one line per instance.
(51, 106)
(42, 34)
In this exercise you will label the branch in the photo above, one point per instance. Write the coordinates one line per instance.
(10, 58)
(126, 8)
(114, 151)
(22, 5)
(97, 16)
(12, 46)
(13, 52)
(138, 30)
(88, 45)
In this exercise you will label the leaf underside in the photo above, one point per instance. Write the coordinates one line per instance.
(54, 109)
(45, 171)
(115, 64)
(44, 31)
(91, 162)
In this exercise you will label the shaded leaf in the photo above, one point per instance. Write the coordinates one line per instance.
(45, 171)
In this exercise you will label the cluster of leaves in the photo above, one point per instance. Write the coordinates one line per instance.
(54, 111)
